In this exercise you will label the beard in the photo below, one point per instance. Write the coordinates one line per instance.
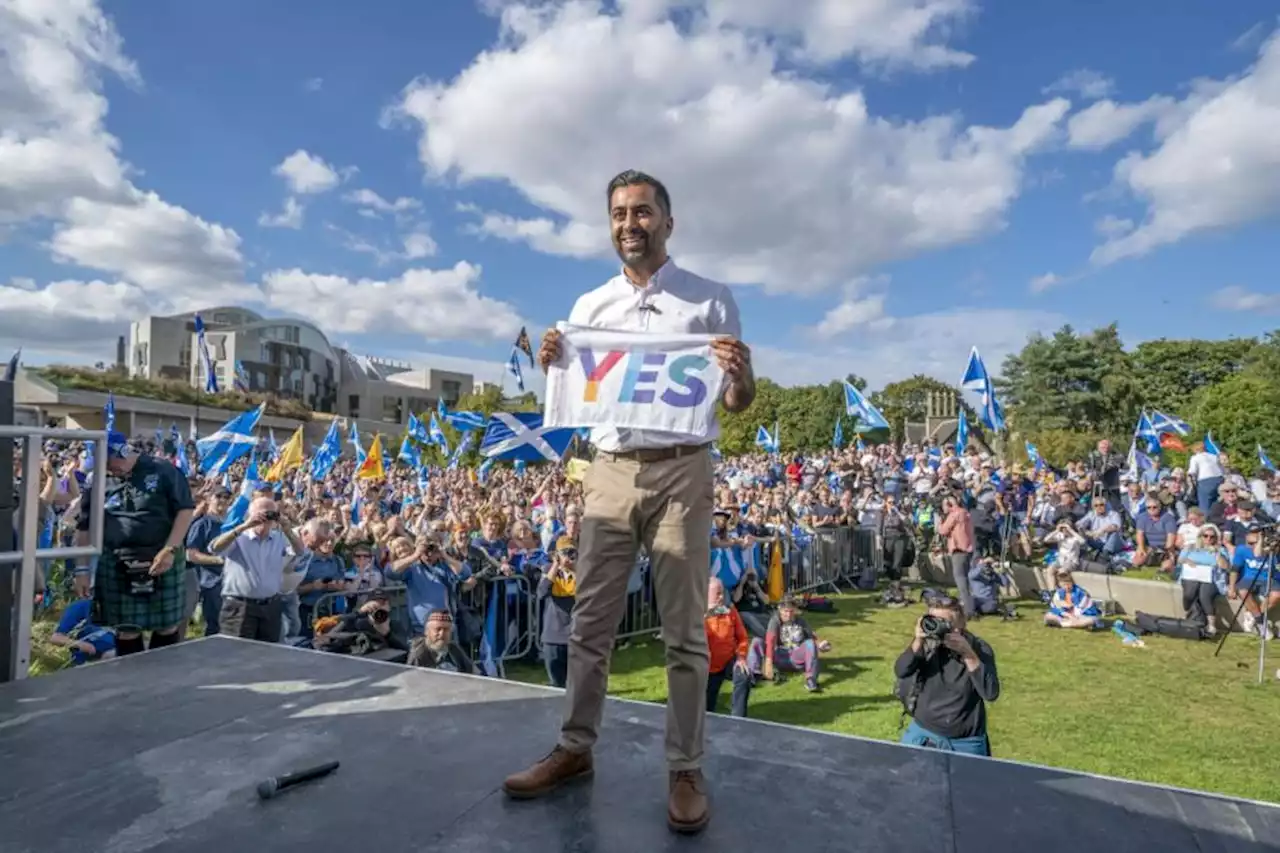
(438, 647)
(632, 254)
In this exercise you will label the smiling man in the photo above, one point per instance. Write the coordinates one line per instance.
(646, 489)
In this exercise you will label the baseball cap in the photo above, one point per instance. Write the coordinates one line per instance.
(118, 446)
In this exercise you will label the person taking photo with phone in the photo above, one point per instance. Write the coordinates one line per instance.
(258, 553)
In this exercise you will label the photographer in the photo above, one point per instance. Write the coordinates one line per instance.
(361, 632)
(258, 554)
(1104, 466)
(945, 678)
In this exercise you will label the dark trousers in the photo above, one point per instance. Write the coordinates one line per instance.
(556, 656)
(741, 690)
(960, 561)
(306, 615)
(251, 620)
(1197, 600)
(211, 607)
(895, 554)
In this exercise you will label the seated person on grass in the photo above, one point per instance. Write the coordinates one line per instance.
(1071, 606)
(790, 644)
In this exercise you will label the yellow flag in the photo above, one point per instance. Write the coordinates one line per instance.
(775, 586)
(576, 469)
(372, 468)
(290, 458)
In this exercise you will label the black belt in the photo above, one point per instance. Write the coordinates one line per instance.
(654, 454)
(248, 600)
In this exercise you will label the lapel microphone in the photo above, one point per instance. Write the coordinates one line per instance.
(645, 306)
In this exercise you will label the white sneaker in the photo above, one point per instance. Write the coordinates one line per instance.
(1266, 631)
(1248, 623)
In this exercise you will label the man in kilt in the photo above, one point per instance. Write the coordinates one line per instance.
(140, 582)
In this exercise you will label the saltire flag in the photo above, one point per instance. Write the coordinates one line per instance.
(1210, 446)
(175, 435)
(838, 438)
(241, 382)
(211, 378)
(388, 461)
(1169, 441)
(326, 455)
(286, 458)
(463, 446)
(11, 369)
(441, 409)
(764, 441)
(353, 435)
(857, 406)
(467, 421)
(409, 453)
(977, 380)
(233, 439)
(727, 565)
(519, 467)
(371, 467)
(962, 432)
(715, 453)
(159, 441)
(1033, 453)
(273, 451)
(1146, 431)
(109, 413)
(437, 435)
(523, 344)
(1264, 460)
(521, 435)
(860, 446)
(513, 367)
(239, 510)
(483, 472)
(357, 500)
(1161, 422)
(417, 431)
(1139, 462)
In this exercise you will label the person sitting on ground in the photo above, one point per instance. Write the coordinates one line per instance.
(1071, 606)
(984, 585)
(727, 647)
(1200, 566)
(76, 631)
(790, 644)
(435, 649)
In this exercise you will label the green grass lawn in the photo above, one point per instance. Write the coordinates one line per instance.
(1169, 713)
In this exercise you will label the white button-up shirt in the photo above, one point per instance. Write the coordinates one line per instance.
(254, 566)
(682, 303)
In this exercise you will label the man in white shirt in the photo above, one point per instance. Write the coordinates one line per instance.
(257, 554)
(1206, 470)
(650, 489)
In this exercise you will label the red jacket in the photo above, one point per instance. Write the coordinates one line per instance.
(726, 639)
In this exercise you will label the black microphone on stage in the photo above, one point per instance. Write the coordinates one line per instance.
(276, 784)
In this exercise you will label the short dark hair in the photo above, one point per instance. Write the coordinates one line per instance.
(634, 178)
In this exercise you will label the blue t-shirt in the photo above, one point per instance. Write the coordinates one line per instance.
(1250, 567)
(1157, 531)
(77, 623)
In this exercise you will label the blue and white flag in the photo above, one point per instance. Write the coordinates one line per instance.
(727, 565)
(109, 412)
(1264, 460)
(467, 421)
(1210, 446)
(764, 441)
(326, 455)
(490, 661)
(838, 438)
(962, 432)
(239, 510)
(273, 449)
(977, 380)
(409, 454)
(1147, 432)
(211, 377)
(233, 439)
(1033, 453)
(455, 459)
(437, 435)
(242, 377)
(513, 367)
(521, 435)
(417, 431)
(482, 473)
(354, 437)
(1161, 422)
(857, 406)
(441, 409)
(11, 369)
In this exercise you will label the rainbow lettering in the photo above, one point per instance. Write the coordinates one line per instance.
(641, 379)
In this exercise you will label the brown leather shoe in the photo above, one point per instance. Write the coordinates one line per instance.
(687, 806)
(560, 767)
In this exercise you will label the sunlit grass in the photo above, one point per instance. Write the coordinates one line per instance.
(1169, 713)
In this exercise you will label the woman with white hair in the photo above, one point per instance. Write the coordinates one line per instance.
(1200, 566)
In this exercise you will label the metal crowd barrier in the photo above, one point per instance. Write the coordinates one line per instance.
(506, 607)
(28, 554)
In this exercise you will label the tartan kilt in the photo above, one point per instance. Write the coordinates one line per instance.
(164, 608)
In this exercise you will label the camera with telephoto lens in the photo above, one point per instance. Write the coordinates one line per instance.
(380, 615)
(935, 627)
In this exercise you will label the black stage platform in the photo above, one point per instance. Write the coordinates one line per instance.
(162, 751)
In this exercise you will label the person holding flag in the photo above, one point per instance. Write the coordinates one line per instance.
(650, 489)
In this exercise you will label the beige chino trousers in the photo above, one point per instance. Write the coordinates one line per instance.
(666, 506)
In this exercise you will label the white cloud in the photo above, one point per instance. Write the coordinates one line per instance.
(418, 245)
(372, 203)
(852, 312)
(1113, 226)
(1041, 283)
(831, 191)
(306, 173)
(1105, 123)
(315, 84)
(68, 316)
(935, 344)
(1236, 298)
(415, 245)
(1216, 165)
(1085, 82)
(436, 304)
(289, 217)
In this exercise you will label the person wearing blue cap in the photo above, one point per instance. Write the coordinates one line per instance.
(140, 581)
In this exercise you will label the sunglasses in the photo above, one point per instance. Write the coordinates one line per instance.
(568, 553)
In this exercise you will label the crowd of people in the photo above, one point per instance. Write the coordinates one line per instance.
(412, 568)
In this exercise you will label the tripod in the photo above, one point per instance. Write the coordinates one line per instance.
(1267, 544)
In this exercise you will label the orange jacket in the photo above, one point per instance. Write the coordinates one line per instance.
(726, 639)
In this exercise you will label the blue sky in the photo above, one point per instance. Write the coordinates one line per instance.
(884, 194)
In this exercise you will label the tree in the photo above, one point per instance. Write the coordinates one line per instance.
(908, 401)
(1168, 372)
(1242, 412)
(1071, 381)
